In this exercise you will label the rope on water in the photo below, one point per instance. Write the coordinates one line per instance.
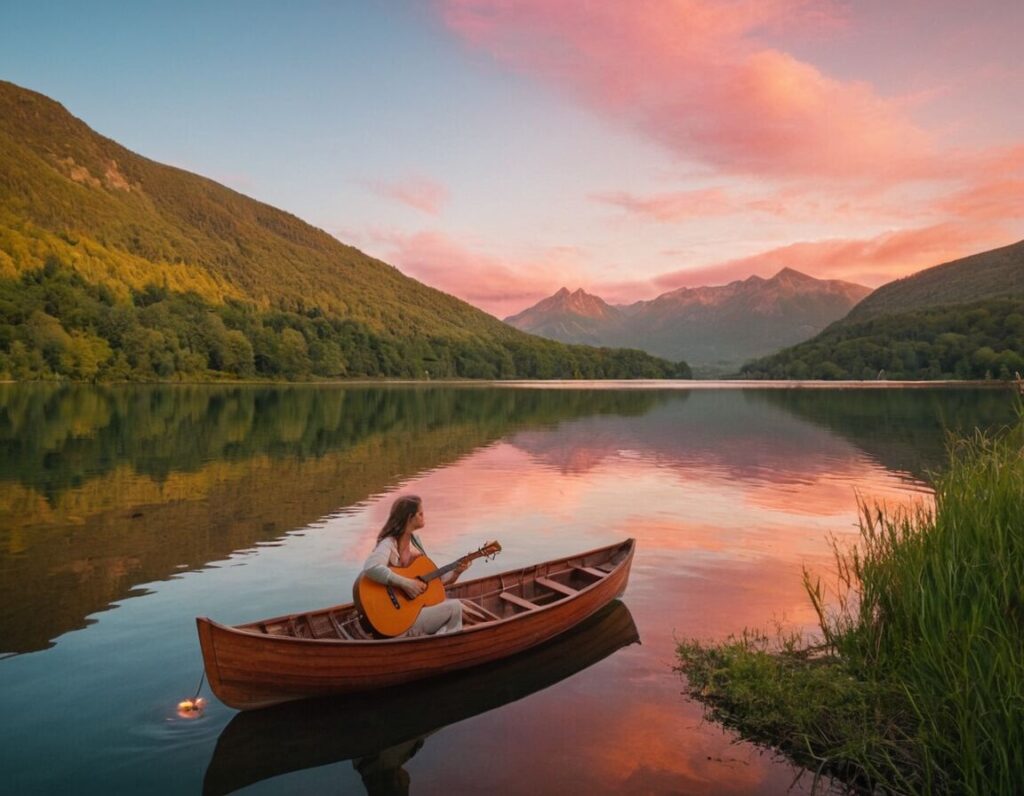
(200, 688)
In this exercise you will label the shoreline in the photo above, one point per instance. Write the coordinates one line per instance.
(570, 384)
(911, 682)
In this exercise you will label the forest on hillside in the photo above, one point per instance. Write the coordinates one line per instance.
(987, 276)
(56, 325)
(980, 340)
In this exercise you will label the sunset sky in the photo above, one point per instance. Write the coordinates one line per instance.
(499, 150)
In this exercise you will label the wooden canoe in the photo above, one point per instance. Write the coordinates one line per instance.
(327, 651)
(261, 744)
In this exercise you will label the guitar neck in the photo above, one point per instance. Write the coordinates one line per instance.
(440, 571)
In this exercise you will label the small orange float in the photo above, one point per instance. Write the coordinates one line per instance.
(191, 708)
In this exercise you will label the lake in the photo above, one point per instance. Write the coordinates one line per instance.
(127, 511)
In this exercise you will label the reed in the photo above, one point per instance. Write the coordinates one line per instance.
(925, 636)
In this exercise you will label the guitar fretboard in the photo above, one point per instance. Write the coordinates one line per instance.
(437, 573)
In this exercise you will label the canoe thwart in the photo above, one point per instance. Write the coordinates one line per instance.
(478, 611)
(515, 600)
(554, 585)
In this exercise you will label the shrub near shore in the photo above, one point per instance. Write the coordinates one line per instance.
(918, 683)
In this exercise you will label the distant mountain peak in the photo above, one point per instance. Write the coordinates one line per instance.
(564, 307)
(792, 273)
(703, 324)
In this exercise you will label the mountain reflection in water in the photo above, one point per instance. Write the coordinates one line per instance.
(380, 731)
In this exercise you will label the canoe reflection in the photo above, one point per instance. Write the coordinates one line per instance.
(257, 745)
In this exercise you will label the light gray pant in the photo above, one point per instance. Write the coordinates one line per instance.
(445, 617)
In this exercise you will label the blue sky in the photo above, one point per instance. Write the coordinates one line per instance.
(500, 150)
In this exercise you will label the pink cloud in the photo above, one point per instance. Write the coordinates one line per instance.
(421, 193)
(797, 202)
(992, 200)
(675, 206)
(693, 76)
(869, 261)
(500, 286)
(996, 191)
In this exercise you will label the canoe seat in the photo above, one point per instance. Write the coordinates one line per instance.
(476, 613)
(339, 628)
(349, 628)
(594, 573)
(515, 600)
(320, 626)
(555, 586)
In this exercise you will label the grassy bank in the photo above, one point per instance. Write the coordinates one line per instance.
(918, 683)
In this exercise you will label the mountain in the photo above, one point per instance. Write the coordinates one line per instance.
(994, 274)
(712, 328)
(576, 317)
(114, 266)
(959, 320)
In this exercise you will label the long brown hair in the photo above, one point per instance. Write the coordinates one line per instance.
(402, 510)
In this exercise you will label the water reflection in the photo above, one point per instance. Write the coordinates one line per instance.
(382, 731)
(730, 493)
(904, 430)
(103, 488)
(750, 434)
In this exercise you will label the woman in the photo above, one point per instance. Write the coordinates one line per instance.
(397, 546)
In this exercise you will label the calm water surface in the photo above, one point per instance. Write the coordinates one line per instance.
(127, 511)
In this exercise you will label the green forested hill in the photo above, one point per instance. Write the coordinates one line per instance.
(959, 320)
(114, 266)
(980, 340)
(994, 274)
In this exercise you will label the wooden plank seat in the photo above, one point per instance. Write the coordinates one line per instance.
(594, 573)
(554, 585)
(515, 600)
(478, 612)
(320, 626)
(348, 627)
(340, 628)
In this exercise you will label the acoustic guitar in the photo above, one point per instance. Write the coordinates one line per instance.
(389, 610)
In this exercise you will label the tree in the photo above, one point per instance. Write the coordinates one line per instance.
(294, 354)
(86, 354)
(238, 354)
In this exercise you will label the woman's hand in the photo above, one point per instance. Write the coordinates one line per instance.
(413, 587)
(462, 567)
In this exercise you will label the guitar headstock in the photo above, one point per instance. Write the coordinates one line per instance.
(489, 550)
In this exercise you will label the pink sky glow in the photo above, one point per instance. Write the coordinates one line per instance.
(854, 141)
(420, 193)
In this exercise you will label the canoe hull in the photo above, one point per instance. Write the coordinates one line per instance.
(248, 670)
(260, 744)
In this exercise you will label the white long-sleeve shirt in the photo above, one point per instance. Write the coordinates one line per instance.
(385, 555)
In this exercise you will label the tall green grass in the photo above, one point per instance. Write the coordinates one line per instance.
(935, 604)
(926, 636)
